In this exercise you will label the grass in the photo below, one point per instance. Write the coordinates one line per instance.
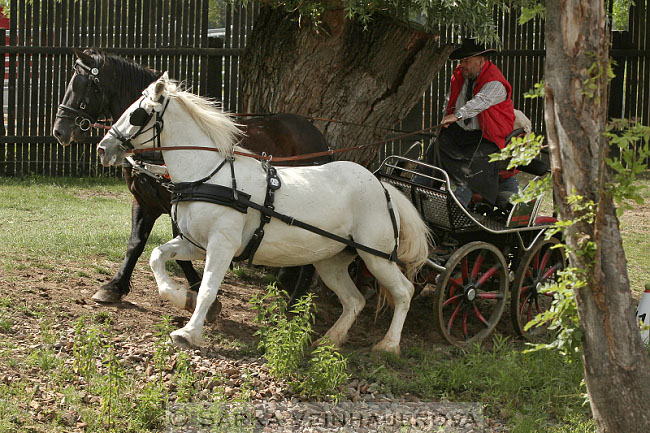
(87, 222)
(72, 219)
(528, 389)
(635, 229)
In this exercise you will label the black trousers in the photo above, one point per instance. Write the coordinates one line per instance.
(464, 155)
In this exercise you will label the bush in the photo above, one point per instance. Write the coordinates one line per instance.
(285, 339)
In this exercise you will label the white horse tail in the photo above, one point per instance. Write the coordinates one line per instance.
(414, 235)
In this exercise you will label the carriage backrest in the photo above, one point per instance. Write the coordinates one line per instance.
(439, 207)
(434, 201)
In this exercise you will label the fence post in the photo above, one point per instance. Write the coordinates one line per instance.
(214, 72)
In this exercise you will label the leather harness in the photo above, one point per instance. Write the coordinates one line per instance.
(240, 201)
(231, 197)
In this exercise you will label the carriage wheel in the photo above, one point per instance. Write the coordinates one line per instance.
(538, 266)
(471, 293)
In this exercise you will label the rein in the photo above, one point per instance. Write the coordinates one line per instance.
(200, 190)
(100, 125)
(342, 122)
(287, 158)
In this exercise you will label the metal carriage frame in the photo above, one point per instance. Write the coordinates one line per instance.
(478, 261)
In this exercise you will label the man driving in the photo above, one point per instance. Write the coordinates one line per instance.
(479, 116)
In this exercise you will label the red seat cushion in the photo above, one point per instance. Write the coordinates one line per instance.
(543, 220)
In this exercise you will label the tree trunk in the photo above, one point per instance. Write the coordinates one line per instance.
(343, 72)
(617, 368)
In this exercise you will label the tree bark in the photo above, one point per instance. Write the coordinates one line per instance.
(617, 368)
(343, 72)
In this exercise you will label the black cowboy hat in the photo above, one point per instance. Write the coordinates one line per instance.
(469, 48)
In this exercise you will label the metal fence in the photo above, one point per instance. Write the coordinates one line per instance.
(173, 35)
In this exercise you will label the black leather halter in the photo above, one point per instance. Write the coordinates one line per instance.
(81, 117)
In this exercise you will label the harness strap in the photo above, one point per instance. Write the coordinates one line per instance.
(272, 184)
(281, 159)
(393, 220)
(224, 196)
(201, 191)
(207, 192)
(294, 222)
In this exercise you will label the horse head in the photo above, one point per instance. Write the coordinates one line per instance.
(84, 101)
(128, 132)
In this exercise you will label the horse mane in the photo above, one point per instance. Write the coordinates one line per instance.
(129, 77)
(221, 129)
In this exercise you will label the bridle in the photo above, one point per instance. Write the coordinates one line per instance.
(82, 119)
(141, 118)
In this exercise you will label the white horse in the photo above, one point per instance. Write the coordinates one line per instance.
(342, 198)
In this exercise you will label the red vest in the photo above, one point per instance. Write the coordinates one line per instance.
(497, 121)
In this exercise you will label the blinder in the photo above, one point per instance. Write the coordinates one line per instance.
(140, 117)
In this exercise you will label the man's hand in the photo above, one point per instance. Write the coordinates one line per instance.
(448, 120)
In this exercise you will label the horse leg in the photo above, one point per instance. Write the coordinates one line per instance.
(216, 265)
(296, 281)
(334, 273)
(187, 268)
(168, 289)
(142, 221)
(400, 289)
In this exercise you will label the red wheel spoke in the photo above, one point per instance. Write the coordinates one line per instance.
(490, 295)
(537, 307)
(451, 319)
(464, 270)
(457, 283)
(524, 289)
(535, 261)
(465, 324)
(477, 264)
(450, 300)
(523, 306)
(551, 271)
(529, 274)
(487, 275)
(480, 316)
(547, 256)
(453, 284)
(529, 314)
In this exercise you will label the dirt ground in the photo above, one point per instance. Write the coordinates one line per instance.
(66, 291)
(37, 295)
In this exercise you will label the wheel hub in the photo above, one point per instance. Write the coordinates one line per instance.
(470, 293)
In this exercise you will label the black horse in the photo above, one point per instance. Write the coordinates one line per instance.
(102, 87)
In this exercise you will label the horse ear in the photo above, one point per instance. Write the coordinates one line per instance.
(86, 59)
(160, 86)
(165, 76)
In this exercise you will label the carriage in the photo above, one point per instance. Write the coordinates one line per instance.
(479, 259)
(475, 260)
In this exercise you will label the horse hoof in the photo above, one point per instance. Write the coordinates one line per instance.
(104, 296)
(213, 312)
(382, 348)
(181, 341)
